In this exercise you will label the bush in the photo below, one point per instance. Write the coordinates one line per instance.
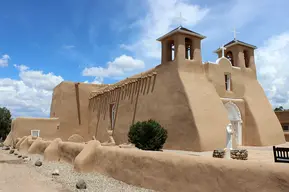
(147, 135)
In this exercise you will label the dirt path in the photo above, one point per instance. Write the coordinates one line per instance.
(16, 176)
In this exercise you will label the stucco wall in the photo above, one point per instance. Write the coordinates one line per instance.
(170, 172)
(171, 99)
(22, 126)
(64, 106)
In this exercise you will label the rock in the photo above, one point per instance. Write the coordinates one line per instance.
(55, 172)
(38, 163)
(5, 148)
(19, 156)
(11, 151)
(219, 153)
(240, 154)
(27, 159)
(81, 184)
(24, 156)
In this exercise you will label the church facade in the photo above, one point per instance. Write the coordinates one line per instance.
(194, 101)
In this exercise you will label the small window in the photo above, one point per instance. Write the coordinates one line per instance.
(35, 133)
(189, 49)
(285, 127)
(112, 114)
(171, 45)
(228, 82)
(246, 58)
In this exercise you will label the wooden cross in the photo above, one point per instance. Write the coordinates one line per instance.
(181, 19)
(223, 48)
(235, 34)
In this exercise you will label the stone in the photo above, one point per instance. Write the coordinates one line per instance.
(11, 151)
(55, 172)
(27, 159)
(24, 156)
(239, 154)
(81, 184)
(38, 163)
(219, 153)
(5, 148)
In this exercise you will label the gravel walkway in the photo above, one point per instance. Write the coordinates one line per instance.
(95, 181)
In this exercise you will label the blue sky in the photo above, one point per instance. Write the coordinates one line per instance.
(45, 42)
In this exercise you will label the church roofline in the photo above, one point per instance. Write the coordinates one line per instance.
(121, 83)
(236, 42)
(181, 29)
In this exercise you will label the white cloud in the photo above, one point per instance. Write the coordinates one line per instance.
(4, 60)
(68, 47)
(160, 19)
(116, 68)
(272, 67)
(31, 94)
(95, 81)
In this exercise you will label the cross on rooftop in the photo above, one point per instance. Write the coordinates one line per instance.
(235, 33)
(180, 19)
(223, 48)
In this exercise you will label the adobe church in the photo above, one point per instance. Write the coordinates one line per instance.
(194, 101)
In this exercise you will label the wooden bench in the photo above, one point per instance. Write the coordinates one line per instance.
(281, 155)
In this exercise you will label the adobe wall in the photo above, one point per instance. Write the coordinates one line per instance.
(260, 124)
(22, 126)
(175, 104)
(70, 104)
(170, 172)
(261, 116)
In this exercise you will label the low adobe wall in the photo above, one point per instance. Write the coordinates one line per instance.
(170, 172)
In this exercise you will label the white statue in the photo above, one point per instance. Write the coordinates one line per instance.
(230, 133)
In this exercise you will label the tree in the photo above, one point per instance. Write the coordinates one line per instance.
(280, 108)
(5, 122)
(147, 135)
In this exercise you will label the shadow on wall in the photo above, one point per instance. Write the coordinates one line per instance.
(161, 171)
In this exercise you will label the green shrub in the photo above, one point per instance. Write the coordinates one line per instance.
(147, 135)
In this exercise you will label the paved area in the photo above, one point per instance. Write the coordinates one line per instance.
(17, 176)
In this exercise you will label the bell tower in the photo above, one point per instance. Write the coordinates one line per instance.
(181, 44)
(240, 54)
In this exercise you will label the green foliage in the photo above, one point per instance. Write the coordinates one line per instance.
(147, 135)
(5, 122)
(280, 108)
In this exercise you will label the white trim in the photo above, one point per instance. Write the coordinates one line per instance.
(230, 103)
(230, 99)
(34, 130)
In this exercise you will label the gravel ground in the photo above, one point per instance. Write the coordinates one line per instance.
(95, 181)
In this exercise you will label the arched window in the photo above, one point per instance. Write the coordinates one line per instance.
(246, 58)
(171, 53)
(229, 55)
(189, 49)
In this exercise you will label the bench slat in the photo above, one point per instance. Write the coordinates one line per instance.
(281, 154)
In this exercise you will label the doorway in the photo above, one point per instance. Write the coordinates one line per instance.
(235, 118)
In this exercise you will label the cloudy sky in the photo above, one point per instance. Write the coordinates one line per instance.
(45, 42)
